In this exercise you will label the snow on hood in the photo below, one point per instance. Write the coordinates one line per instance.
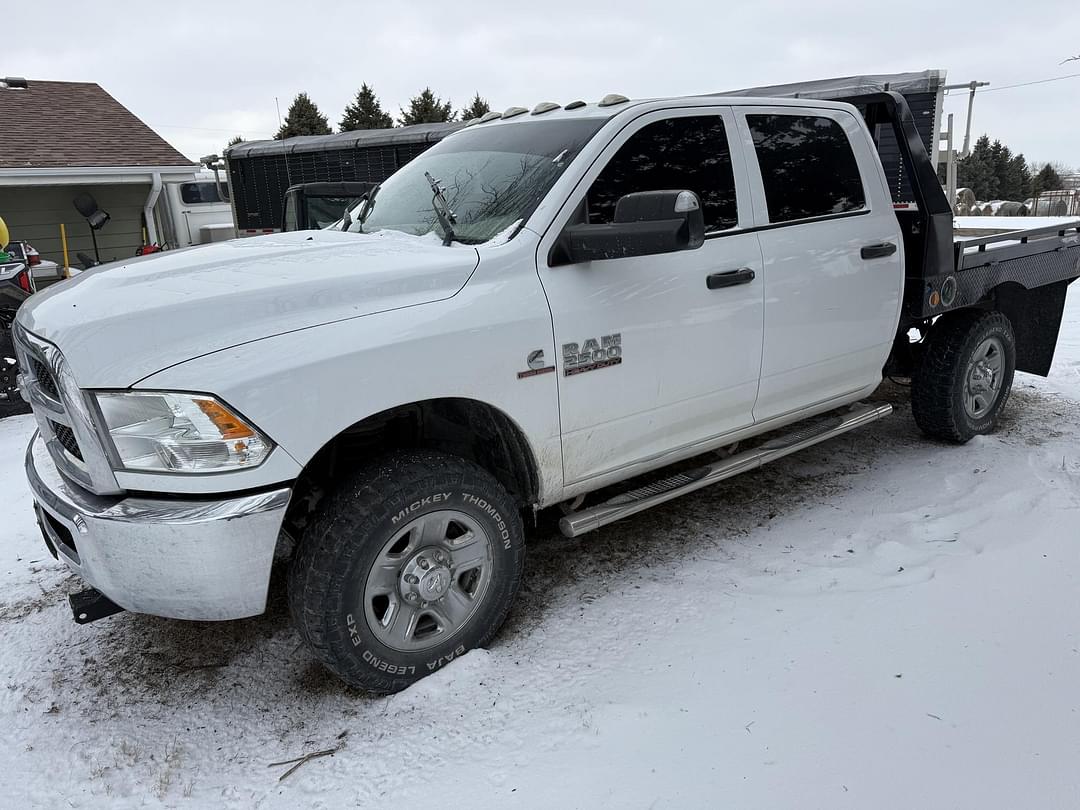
(118, 323)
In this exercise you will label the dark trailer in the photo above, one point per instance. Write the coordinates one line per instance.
(260, 172)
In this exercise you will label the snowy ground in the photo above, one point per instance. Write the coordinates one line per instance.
(881, 622)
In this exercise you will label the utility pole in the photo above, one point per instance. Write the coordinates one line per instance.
(970, 86)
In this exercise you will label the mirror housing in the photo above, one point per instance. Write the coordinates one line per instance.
(646, 223)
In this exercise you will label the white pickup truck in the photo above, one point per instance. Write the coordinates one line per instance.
(532, 313)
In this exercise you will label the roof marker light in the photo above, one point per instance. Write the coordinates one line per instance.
(544, 106)
(611, 99)
(510, 112)
(573, 105)
(490, 116)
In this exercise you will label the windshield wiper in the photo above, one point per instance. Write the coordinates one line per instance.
(442, 209)
(362, 214)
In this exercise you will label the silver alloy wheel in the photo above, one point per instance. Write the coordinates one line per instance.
(982, 380)
(428, 580)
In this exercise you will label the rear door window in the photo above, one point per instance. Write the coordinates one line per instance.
(807, 166)
(674, 154)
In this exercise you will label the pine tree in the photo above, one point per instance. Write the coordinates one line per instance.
(1000, 157)
(993, 172)
(1018, 176)
(365, 113)
(233, 141)
(1047, 179)
(426, 108)
(478, 108)
(976, 171)
(303, 118)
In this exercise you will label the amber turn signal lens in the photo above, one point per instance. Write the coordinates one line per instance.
(224, 420)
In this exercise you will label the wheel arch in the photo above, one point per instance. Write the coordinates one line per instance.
(463, 427)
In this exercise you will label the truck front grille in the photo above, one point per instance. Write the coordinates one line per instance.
(66, 437)
(63, 416)
(45, 379)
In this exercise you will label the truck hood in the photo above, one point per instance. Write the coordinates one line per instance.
(118, 323)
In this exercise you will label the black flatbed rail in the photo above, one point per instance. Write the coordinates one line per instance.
(1031, 258)
(1027, 242)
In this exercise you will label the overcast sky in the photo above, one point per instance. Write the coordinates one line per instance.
(199, 73)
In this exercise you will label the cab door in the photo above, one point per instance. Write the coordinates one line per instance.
(680, 334)
(832, 251)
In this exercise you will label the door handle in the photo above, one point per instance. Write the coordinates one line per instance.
(878, 251)
(715, 281)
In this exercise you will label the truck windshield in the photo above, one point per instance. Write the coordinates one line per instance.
(494, 177)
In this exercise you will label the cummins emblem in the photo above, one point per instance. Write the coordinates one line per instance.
(535, 359)
(537, 365)
(592, 354)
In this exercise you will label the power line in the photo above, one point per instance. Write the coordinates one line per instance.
(1028, 84)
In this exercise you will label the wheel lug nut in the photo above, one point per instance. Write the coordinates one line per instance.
(412, 579)
(423, 563)
(411, 597)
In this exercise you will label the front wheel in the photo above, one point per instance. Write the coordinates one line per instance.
(966, 374)
(408, 565)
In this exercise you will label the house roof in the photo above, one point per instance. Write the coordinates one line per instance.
(55, 125)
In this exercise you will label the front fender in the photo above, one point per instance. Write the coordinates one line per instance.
(305, 387)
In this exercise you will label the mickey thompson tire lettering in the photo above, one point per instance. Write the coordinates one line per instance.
(480, 503)
(329, 572)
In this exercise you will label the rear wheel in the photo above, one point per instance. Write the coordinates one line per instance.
(408, 565)
(966, 374)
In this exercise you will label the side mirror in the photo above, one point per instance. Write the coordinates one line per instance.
(646, 223)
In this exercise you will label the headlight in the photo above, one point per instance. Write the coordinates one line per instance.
(158, 431)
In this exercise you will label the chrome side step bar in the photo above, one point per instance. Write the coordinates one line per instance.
(803, 435)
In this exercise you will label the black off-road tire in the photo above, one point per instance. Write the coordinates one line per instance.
(349, 533)
(937, 389)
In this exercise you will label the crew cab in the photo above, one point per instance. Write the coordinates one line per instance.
(549, 308)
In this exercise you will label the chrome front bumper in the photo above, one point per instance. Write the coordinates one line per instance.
(206, 559)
